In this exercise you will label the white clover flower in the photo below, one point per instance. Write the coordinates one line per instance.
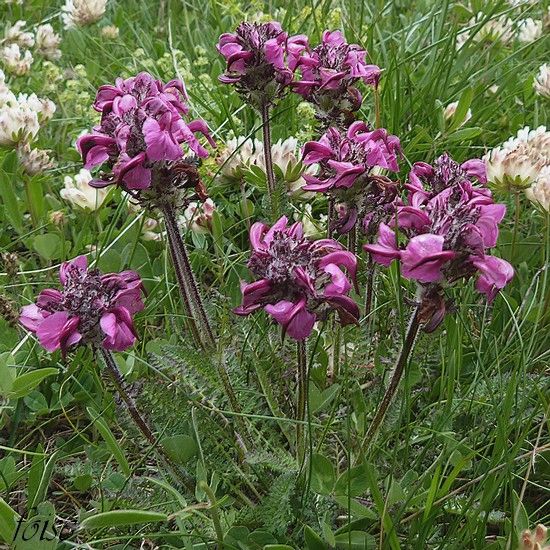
(79, 13)
(18, 123)
(47, 42)
(149, 231)
(77, 191)
(6, 95)
(197, 217)
(15, 61)
(14, 35)
(499, 28)
(529, 30)
(241, 153)
(34, 161)
(519, 160)
(450, 110)
(539, 192)
(110, 32)
(542, 81)
(43, 107)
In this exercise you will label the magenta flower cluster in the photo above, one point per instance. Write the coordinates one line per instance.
(142, 124)
(299, 281)
(346, 161)
(91, 308)
(446, 228)
(260, 55)
(333, 68)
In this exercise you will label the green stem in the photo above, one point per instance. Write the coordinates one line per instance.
(266, 130)
(377, 108)
(214, 512)
(516, 225)
(401, 363)
(302, 376)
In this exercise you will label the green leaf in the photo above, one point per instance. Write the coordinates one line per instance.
(7, 373)
(44, 482)
(25, 383)
(8, 519)
(180, 448)
(9, 198)
(313, 540)
(49, 245)
(462, 109)
(277, 547)
(109, 439)
(356, 540)
(116, 518)
(465, 133)
(355, 479)
(35, 473)
(323, 475)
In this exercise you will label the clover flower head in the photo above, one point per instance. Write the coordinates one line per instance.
(141, 132)
(16, 61)
(14, 34)
(298, 281)
(529, 30)
(197, 217)
(79, 13)
(77, 191)
(446, 228)
(539, 192)
(34, 161)
(329, 72)
(47, 42)
(542, 81)
(91, 308)
(256, 57)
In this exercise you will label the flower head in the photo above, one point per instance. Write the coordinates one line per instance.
(79, 13)
(77, 191)
(14, 34)
(140, 137)
(256, 56)
(47, 42)
(539, 192)
(91, 308)
(347, 163)
(34, 161)
(517, 163)
(15, 60)
(542, 81)
(330, 72)
(298, 281)
(197, 217)
(446, 228)
(529, 30)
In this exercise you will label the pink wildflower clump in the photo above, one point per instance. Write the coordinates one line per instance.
(446, 228)
(345, 162)
(328, 73)
(142, 127)
(298, 281)
(260, 59)
(90, 308)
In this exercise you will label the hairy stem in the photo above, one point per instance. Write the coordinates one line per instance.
(369, 291)
(401, 363)
(330, 216)
(186, 279)
(266, 129)
(136, 416)
(302, 398)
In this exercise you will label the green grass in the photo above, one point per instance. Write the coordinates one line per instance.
(454, 465)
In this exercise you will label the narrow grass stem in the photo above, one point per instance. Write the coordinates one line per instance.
(517, 213)
(401, 363)
(188, 285)
(302, 398)
(214, 512)
(266, 129)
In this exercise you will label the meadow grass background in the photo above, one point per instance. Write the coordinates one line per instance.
(451, 467)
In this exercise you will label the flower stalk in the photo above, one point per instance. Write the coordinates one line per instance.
(266, 130)
(138, 419)
(189, 290)
(400, 365)
(302, 379)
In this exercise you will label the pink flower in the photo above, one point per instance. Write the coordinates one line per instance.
(446, 229)
(142, 128)
(90, 309)
(345, 164)
(329, 72)
(257, 58)
(299, 281)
